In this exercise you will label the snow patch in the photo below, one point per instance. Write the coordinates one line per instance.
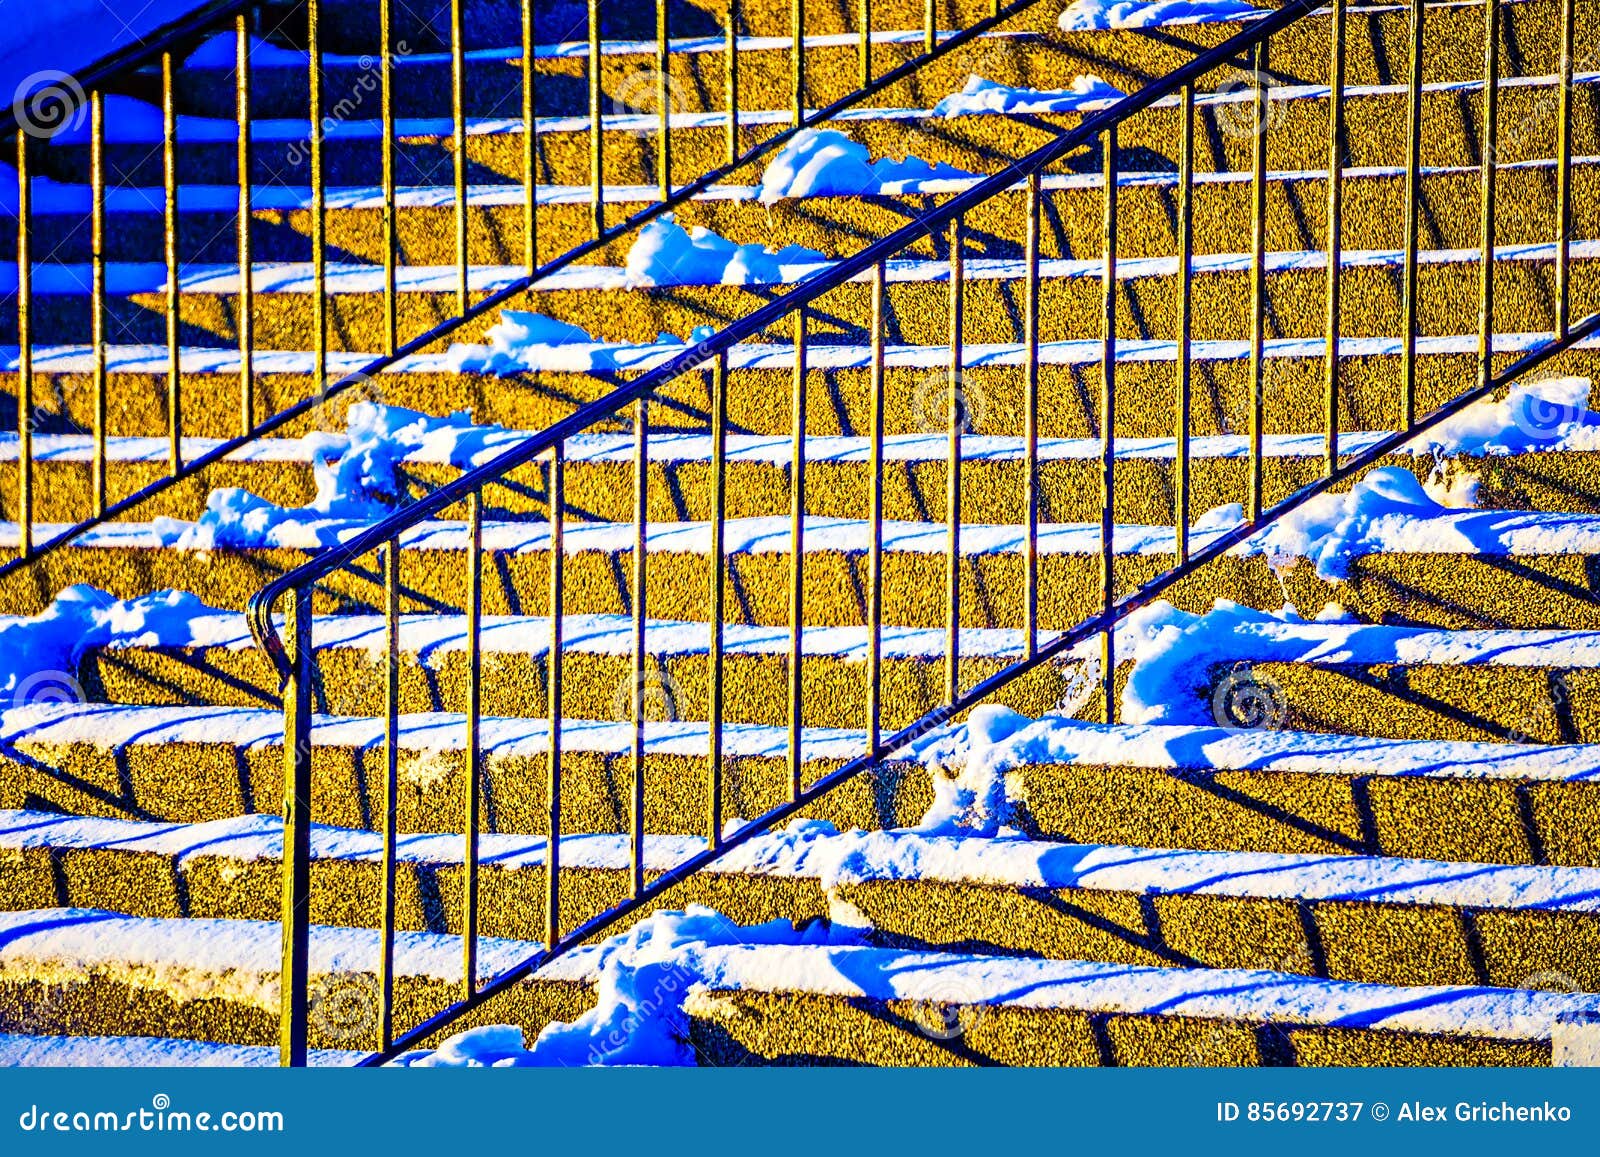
(521, 341)
(663, 254)
(985, 96)
(825, 162)
(1091, 15)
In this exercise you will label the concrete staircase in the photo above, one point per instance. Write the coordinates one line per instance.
(1403, 870)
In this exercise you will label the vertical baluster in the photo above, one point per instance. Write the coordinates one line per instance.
(866, 43)
(97, 229)
(1030, 390)
(1408, 323)
(952, 680)
(664, 96)
(295, 912)
(458, 119)
(797, 548)
(731, 65)
(319, 204)
(1564, 177)
(596, 137)
(1185, 367)
(530, 147)
(1330, 414)
(473, 795)
(1258, 282)
(169, 181)
(24, 350)
(880, 324)
(930, 33)
(641, 510)
(1108, 425)
(247, 341)
(1486, 225)
(391, 786)
(718, 608)
(558, 523)
(391, 238)
(797, 59)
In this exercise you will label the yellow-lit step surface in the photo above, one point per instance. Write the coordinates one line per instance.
(1390, 921)
(855, 1003)
(217, 663)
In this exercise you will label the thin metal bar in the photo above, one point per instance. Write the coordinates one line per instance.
(391, 786)
(458, 119)
(875, 517)
(1108, 423)
(797, 548)
(295, 912)
(473, 795)
(558, 523)
(1564, 177)
(1258, 283)
(391, 224)
(530, 146)
(930, 34)
(596, 137)
(664, 97)
(1486, 223)
(169, 222)
(731, 79)
(1030, 391)
(952, 661)
(641, 510)
(24, 350)
(319, 203)
(866, 43)
(97, 230)
(797, 59)
(1330, 412)
(1185, 364)
(247, 338)
(718, 604)
(1408, 324)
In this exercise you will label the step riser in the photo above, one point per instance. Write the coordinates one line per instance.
(1363, 942)
(752, 1028)
(1296, 216)
(838, 400)
(194, 783)
(1225, 141)
(756, 689)
(1448, 297)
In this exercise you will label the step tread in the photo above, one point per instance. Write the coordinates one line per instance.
(19, 1050)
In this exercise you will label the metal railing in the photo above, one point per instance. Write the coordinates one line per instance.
(294, 657)
(61, 103)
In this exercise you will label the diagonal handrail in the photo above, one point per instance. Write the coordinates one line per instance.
(125, 62)
(466, 486)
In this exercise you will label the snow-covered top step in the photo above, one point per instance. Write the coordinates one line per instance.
(18, 1050)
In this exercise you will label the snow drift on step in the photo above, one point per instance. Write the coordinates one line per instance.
(663, 254)
(825, 162)
(39, 655)
(638, 1018)
(1089, 15)
(521, 341)
(985, 96)
(355, 478)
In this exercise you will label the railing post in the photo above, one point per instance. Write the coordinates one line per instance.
(1258, 283)
(731, 80)
(97, 230)
(295, 977)
(1564, 178)
(530, 147)
(797, 551)
(458, 118)
(391, 240)
(596, 135)
(391, 787)
(718, 602)
(552, 862)
(169, 179)
(1408, 322)
(24, 351)
(319, 204)
(952, 643)
(880, 324)
(797, 59)
(664, 97)
(1108, 427)
(1030, 405)
(1180, 495)
(247, 377)
(472, 796)
(1486, 223)
(1330, 453)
